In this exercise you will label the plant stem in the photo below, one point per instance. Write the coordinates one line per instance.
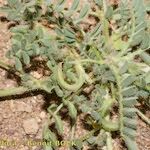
(4, 65)
(86, 136)
(9, 68)
(120, 97)
(72, 134)
(143, 117)
(104, 6)
(90, 61)
(73, 131)
(109, 141)
(13, 91)
(109, 138)
(58, 108)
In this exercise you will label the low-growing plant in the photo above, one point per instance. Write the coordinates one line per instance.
(100, 69)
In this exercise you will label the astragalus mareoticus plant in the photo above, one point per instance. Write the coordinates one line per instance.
(98, 63)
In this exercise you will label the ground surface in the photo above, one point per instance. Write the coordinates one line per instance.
(22, 119)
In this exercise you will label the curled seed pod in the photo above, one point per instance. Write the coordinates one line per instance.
(72, 87)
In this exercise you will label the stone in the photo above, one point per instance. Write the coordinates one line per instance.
(30, 126)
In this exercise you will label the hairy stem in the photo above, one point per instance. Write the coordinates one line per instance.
(109, 138)
(72, 134)
(4, 65)
(120, 98)
(13, 91)
(58, 108)
(89, 61)
(109, 141)
(143, 117)
(104, 6)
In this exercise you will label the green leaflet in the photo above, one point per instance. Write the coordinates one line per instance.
(131, 144)
(18, 64)
(127, 80)
(123, 67)
(48, 135)
(60, 5)
(129, 91)
(18, 36)
(20, 29)
(129, 132)
(25, 57)
(75, 5)
(95, 115)
(145, 57)
(109, 12)
(60, 2)
(91, 140)
(12, 3)
(148, 6)
(46, 147)
(130, 122)
(72, 110)
(71, 77)
(84, 108)
(69, 40)
(130, 112)
(98, 2)
(96, 31)
(78, 144)
(147, 78)
(130, 101)
(69, 33)
(99, 140)
(83, 13)
(58, 124)
(40, 32)
(58, 91)
(145, 41)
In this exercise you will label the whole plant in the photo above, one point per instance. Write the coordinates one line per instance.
(99, 69)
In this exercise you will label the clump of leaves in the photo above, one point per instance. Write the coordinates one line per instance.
(93, 69)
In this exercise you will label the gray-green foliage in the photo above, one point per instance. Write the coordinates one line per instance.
(92, 69)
